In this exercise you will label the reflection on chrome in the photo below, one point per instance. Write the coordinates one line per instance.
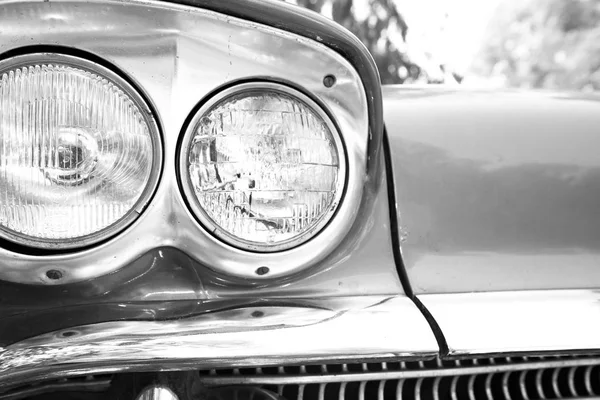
(339, 329)
(517, 321)
(162, 57)
(157, 392)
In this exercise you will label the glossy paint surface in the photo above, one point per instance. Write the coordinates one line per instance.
(306, 331)
(496, 190)
(518, 322)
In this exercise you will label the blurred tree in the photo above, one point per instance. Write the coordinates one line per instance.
(552, 44)
(381, 27)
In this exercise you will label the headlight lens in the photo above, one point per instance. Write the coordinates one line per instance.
(263, 166)
(78, 151)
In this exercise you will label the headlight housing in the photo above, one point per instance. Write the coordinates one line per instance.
(79, 151)
(262, 166)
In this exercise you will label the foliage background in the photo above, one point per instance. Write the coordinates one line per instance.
(552, 44)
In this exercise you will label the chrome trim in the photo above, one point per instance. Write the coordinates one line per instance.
(231, 240)
(586, 378)
(177, 55)
(88, 384)
(523, 388)
(337, 329)
(157, 392)
(516, 322)
(153, 131)
(471, 371)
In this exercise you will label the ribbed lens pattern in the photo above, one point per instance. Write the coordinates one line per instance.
(75, 152)
(264, 166)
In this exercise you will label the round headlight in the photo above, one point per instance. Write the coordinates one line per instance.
(262, 166)
(79, 151)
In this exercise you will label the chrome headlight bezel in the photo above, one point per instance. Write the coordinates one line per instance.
(199, 52)
(134, 94)
(260, 87)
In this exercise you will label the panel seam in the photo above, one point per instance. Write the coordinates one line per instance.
(400, 267)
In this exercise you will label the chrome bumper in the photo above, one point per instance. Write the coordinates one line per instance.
(320, 330)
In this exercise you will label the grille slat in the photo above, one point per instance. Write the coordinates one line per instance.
(453, 387)
(554, 380)
(399, 388)
(588, 380)
(361, 389)
(538, 384)
(471, 387)
(488, 387)
(435, 388)
(342, 394)
(505, 385)
(522, 387)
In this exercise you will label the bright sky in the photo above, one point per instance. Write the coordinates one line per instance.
(451, 30)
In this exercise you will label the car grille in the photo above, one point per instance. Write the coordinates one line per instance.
(527, 378)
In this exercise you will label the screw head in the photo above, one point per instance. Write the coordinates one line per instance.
(329, 80)
(262, 271)
(54, 274)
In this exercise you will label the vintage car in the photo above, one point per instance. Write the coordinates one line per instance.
(218, 200)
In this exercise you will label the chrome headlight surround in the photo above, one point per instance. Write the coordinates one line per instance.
(260, 87)
(85, 65)
(218, 50)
